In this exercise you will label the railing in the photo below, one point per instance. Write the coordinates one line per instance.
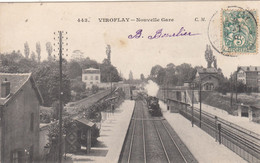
(243, 142)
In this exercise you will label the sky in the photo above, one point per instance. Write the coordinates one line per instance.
(37, 22)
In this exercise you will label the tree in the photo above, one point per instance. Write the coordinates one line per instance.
(210, 58)
(88, 63)
(74, 69)
(154, 71)
(142, 77)
(185, 72)
(224, 86)
(77, 85)
(171, 77)
(16, 63)
(241, 87)
(49, 50)
(38, 51)
(47, 80)
(33, 56)
(170, 66)
(108, 52)
(131, 75)
(109, 73)
(26, 50)
(160, 78)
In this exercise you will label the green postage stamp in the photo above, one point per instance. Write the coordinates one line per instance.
(239, 32)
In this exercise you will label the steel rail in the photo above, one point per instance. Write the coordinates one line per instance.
(143, 134)
(231, 135)
(243, 136)
(233, 128)
(241, 129)
(174, 142)
(165, 152)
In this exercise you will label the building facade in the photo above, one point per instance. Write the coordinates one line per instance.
(91, 77)
(249, 75)
(208, 78)
(19, 105)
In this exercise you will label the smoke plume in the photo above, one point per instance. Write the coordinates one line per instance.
(152, 88)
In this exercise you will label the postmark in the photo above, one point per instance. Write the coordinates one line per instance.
(239, 32)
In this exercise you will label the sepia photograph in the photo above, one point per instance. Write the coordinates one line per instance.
(130, 82)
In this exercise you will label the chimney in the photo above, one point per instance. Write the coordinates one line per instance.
(5, 88)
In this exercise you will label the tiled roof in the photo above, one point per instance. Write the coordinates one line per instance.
(91, 69)
(16, 83)
(207, 70)
(16, 80)
(249, 68)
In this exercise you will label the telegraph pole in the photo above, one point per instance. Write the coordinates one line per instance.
(60, 53)
(60, 98)
(192, 104)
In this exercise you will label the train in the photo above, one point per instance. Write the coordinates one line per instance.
(153, 106)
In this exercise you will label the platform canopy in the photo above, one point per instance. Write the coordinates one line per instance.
(86, 122)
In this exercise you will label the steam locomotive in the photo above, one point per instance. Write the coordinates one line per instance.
(153, 106)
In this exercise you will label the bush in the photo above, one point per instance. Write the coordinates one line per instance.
(94, 89)
(46, 114)
(241, 87)
(223, 87)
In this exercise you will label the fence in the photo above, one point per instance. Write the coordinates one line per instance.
(243, 142)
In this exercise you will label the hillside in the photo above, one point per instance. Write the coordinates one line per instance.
(218, 100)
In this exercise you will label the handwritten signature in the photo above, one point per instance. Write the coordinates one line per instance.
(160, 34)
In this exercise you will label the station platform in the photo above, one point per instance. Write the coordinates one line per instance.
(112, 134)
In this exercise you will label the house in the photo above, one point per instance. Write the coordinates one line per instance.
(19, 106)
(249, 75)
(91, 77)
(208, 77)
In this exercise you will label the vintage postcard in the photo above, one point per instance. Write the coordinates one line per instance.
(130, 82)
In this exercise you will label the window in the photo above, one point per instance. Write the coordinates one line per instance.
(91, 78)
(86, 77)
(32, 121)
(31, 154)
(96, 77)
(17, 156)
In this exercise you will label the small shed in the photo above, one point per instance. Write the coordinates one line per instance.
(252, 112)
(79, 135)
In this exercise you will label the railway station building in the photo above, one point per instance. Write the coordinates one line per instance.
(208, 77)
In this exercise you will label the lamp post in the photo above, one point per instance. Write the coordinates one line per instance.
(236, 85)
(231, 93)
(192, 103)
(200, 102)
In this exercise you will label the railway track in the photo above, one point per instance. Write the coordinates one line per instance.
(150, 140)
(239, 140)
(168, 143)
